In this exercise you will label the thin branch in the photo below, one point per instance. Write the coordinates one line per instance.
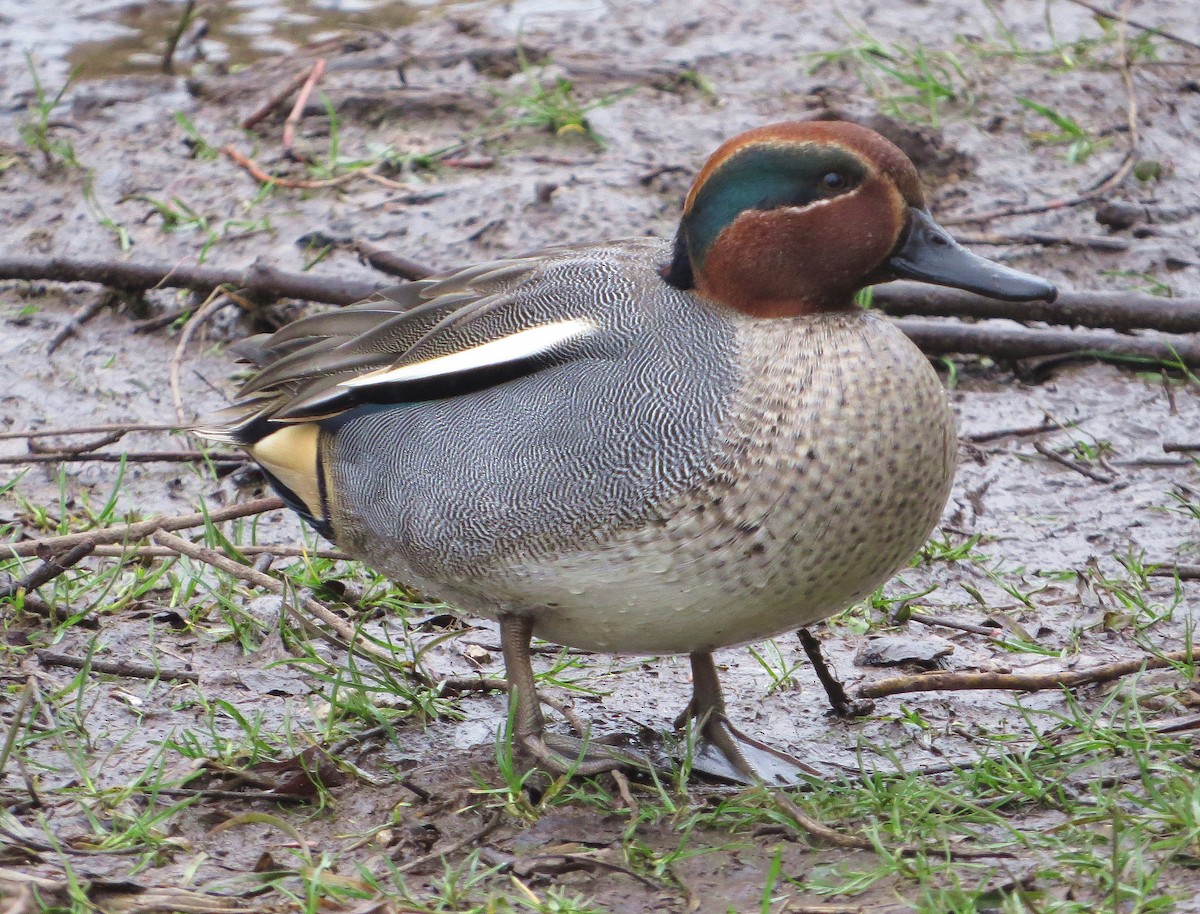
(164, 552)
(276, 100)
(51, 568)
(185, 18)
(1019, 682)
(77, 320)
(1051, 454)
(216, 303)
(114, 428)
(1182, 571)
(1140, 26)
(297, 112)
(833, 837)
(142, 529)
(259, 279)
(1103, 310)
(126, 456)
(314, 608)
(945, 338)
(116, 667)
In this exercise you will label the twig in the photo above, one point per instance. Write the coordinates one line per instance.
(126, 456)
(275, 101)
(259, 279)
(1020, 431)
(836, 838)
(116, 667)
(486, 829)
(1115, 310)
(1140, 26)
(1018, 682)
(52, 566)
(320, 611)
(297, 112)
(1051, 454)
(974, 629)
(1104, 243)
(260, 174)
(1105, 310)
(115, 428)
(946, 338)
(1180, 447)
(839, 701)
(185, 18)
(163, 552)
(77, 320)
(1103, 185)
(85, 447)
(1182, 571)
(385, 261)
(142, 529)
(209, 793)
(215, 304)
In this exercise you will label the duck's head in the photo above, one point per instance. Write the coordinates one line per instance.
(795, 218)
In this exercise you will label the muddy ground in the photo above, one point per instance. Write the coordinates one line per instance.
(120, 787)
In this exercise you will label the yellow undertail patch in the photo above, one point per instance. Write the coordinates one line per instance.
(290, 455)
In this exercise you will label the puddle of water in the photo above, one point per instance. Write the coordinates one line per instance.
(119, 37)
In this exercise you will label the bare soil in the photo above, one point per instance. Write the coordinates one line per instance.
(1059, 564)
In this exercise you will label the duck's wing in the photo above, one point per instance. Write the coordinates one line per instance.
(424, 340)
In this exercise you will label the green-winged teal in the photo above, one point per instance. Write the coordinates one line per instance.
(641, 447)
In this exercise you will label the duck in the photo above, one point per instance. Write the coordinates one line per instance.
(643, 446)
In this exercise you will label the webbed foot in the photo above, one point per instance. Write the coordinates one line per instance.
(721, 750)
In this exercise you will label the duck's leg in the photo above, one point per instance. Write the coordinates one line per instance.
(553, 752)
(723, 751)
(841, 703)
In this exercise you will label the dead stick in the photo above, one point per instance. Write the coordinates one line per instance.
(857, 842)
(257, 172)
(297, 112)
(1180, 447)
(1105, 310)
(1019, 431)
(216, 303)
(51, 568)
(163, 552)
(841, 703)
(258, 279)
(1183, 572)
(946, 338)
(77, 320)
(1018, 682)
(86, 447)
(128, 457)
(1051, 454)
(318, 610)
(1140, 26)
(275, 101)
(116, 667)
(385, 261)
(1044, 239)
(185, 18)
(1115, 310)
(142, 529)
(121, 428)
(971, 627)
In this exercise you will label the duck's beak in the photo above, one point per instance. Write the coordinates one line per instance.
(929, 254)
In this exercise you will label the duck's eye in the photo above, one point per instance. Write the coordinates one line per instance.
(834, 180)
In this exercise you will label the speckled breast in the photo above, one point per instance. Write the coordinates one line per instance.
(833, 465)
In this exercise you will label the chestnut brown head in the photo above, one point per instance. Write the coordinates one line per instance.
(795, 218)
